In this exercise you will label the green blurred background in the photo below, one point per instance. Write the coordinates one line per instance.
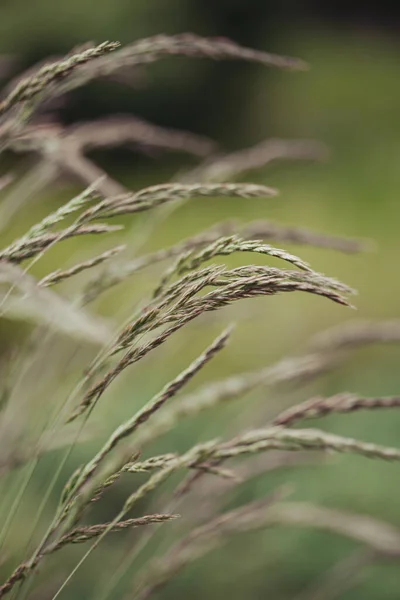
(349, 99)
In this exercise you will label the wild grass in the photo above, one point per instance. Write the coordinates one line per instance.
(188, 289)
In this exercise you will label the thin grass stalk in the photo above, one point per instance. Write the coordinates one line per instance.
(154, 48)
(61, 275)
(155, 404)
(78, 536)
(339, 403)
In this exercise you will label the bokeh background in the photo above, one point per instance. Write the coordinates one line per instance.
(350, 100)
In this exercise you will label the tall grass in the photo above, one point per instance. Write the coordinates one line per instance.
(191, 286)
